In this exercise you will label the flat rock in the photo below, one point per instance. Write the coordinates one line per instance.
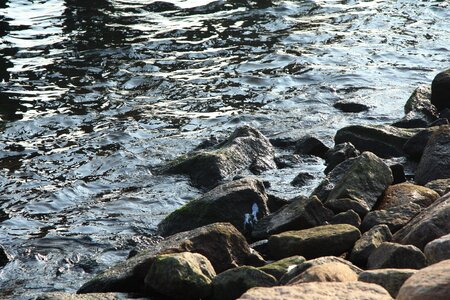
(338, 154)
(330, 272)
(93, 296)
(353, 290)
(314, 242)
(438, 250)
(430, 283)
(353, 107)
(403, 193)
(368, 242)
(440, 186)
(302, 213)
(344, 204)
(390, 279)
(383, 140)
(440, 90)
(246, 148)
(392, 255)
(280, 267)
(240, 202)
(348, 217)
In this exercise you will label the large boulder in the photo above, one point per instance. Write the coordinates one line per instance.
(352, 290)
(440, 90)
(347, 217)
(241, 203)
(302, 213)
(392, 255)
(314, 242)
(181, 275)
(420, 101)
(440, 186)
(368, 242)
(246, 148)
(232, 283)
(430, 283)
(390, 279)
(221, 243)
(438, 250)
(430, 224)
(435, 161)
(403, 193)
(383, 140)
(330, 272)
(280, 267)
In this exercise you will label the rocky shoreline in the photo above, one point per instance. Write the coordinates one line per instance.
(377, 227)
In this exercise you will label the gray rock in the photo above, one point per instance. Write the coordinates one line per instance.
(438, 250)
(420, 101)
(329, 182)
(348, 217)
(415, 146)
(280, 267)
(4, 257)
(392, 255)
(344, 204)
(311, 146)
(246, 148)
(395, 218)
(390, 279)
(440, 90)
(302, 179)
(435, 161)
(241, 203)
(414, 119)
(302, 213)
(368, 242)
(353, 107)
(338, 154)
(440, 186)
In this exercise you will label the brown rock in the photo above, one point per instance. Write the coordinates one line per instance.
(402, 193)
(331, 272)
(390, 279)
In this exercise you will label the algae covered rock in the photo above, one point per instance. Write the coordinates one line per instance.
(403, 193)
(330, 272)
(241, 203)
(280, 267)
(390, 279)
(246, 148)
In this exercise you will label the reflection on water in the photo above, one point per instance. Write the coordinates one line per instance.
(95, 94)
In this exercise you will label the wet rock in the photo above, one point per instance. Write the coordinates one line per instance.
(392, 255)
(302, 179)
(430, 283)
(241, 203)
(414, 119)
(231, 284)
(403, 193)
(299, 269)
(435, 161)
(383, 140)
(4, 257)
(302, 213)
(280, 267)
(395, 218)
(314, 242)
(438, 122)
(320, 290)
(338, 154)
(330, 272)
(368, 242)
(353, 107)
(420, 101)
(246, 148)
(310, 145)
(274, 202)
(390, 279)
(181, 275)
(221, 243)
(93, 296)
(344, 204)
(440, 186)
(415, 146)
(440, 90)
(288, 161)
(329, 182)
(430, 224)
(438, 250)
(348, 217)
(366, 178)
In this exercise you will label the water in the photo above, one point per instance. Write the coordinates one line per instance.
(96, 94)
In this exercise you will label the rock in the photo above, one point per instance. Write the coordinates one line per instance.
(414, 119)
(435, 161)
(415, 146)
(383, 140)
(438, 122)
(430, 283)
(348, 217)
(288, 161)
(232, 283)
(390, 279)
(92, 296)
(438, 250)
(302, 179)
(391, 255)
(311, 146)
(4, 257)
(314, 242)
(181, 275)
(445, 114)
(280, 267)
(353, 290)
(368, 242)
(246, 148)
(329, 182)
(420, 101)
(366, 178)
(440, 90)
(344, 204)
(302, 213)
(299, 269)
(353, 107)
(262, 246)
(395, 218)
(274, 202)
(403, 193)
(430, 224)
(338, 154)
(221, 243)
(241, 203)
(331, 272)
(440, 186)
(398, 172)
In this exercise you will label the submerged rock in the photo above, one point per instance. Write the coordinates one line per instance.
(440, 90)
(280, 267)
(404, 193)
(438, 250)
(246, 148)
(347, 106)
(390, 279)
(330, 272)
(392, 255)
(241, 203)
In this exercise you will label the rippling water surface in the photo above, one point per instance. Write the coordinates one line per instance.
(95, 94)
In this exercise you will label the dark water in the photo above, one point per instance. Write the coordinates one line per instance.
(95, 94)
